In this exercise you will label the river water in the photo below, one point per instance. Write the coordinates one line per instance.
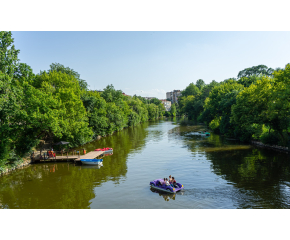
(217, 173)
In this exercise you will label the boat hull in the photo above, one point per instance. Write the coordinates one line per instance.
(92, 161)
(108, 151)
(164, 190)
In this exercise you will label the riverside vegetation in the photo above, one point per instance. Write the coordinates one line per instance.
(253, 106)
(57, 104)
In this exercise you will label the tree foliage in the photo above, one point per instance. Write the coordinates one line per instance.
(191, 89)
(256, 70)
(61, 68)
(57, 104)
(256, 106)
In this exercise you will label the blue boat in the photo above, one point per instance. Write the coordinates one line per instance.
(92, 161)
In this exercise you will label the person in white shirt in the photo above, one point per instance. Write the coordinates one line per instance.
(166, 182)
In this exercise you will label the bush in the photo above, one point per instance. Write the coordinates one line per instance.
(269, 138)
(215, 123)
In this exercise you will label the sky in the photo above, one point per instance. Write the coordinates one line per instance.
(149, 63)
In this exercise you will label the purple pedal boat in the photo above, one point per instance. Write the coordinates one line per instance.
(158, 184)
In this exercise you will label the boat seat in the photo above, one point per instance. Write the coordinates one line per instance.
(159, 183)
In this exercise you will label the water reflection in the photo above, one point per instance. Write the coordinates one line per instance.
(92, 166)
(257, 173)
(166, 196)
(64, 185)
(217, 173)
(260, 170)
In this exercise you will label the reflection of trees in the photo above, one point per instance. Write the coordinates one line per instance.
(258, 174)
(63, 185)
(257, 170)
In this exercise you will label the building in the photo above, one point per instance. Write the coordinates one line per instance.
(167, 104)
(173, 96)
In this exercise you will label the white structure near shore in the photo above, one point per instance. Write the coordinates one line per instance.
(167, 104)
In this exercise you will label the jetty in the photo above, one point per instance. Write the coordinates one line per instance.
(75, 157)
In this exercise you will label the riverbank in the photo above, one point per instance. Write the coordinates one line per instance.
(27, 161)
(276, 147)
(20, 165)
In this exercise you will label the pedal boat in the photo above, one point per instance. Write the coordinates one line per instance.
(106, 150)
(158, 185)
(92, 161)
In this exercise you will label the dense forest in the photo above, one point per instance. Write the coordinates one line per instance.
(56, 104)
(253, 106)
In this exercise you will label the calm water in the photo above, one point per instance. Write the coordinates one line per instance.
(216, 173)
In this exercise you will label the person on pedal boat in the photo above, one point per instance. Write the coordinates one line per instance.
(174, 182)
(166, 182)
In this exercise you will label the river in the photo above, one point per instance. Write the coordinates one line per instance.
(217, 173)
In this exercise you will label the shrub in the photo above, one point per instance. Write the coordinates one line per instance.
(269, 138)
(215, 123)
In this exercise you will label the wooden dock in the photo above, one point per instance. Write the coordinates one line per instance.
(75, 158)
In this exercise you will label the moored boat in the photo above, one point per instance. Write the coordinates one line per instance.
(204, 133)
(92, 161)
(106, 150)
(159, 185)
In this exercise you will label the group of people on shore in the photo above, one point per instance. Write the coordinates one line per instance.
(171, 182)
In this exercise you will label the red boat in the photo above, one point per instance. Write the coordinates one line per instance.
(104, 149)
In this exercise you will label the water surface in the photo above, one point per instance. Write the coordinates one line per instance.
(216, 173)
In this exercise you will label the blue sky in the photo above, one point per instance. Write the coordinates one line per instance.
(152, 63)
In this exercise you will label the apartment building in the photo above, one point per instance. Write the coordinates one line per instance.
(167, 104)
(173, 96)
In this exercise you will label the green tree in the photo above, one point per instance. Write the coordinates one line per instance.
(112, 95)
(173, 110)
(247, 81)
(73, 116)
(96, 109)
(214, 104)
(10, 96)
(153, 111)
(252, 108)
(61, 68)
(191, 89)
(279, 104)
(8, 54)
(200, 84)
(256, 70)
